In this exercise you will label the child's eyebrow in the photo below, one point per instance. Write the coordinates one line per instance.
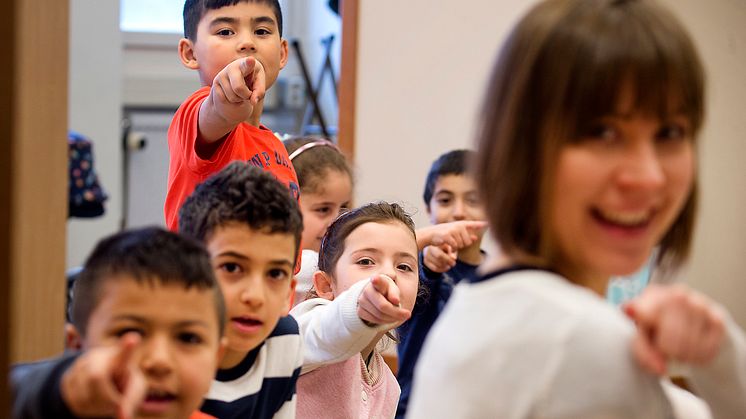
(130, 317)
(367, 250)
(233, 254)
(286, 262)
(224, 20)
(406, 255)
(444, 192)
(190, 323)
(267, 20)
(143, 320)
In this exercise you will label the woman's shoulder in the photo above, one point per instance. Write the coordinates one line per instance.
(504, 316)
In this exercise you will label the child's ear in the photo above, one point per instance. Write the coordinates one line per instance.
(291, 297)
(283, 53)
(322, 283)
(73, 340)
(186, 53)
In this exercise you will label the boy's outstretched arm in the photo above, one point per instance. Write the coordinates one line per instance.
(440, 243)
(105, 382)
(457, 234)
(100, 382)
(439, 259)
(235, 92)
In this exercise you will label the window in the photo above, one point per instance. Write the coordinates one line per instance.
(151, 16)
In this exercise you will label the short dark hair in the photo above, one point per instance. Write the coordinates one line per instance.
(566, 64)
(194, 10)
(454, 162)
(312, 164)
(148, 255)
(242, 193)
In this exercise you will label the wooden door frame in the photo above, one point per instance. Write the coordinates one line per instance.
(33, 182)
(348, 77)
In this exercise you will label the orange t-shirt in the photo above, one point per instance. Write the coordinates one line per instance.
(258, 146)
(200, 415)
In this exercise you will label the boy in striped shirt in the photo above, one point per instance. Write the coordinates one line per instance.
(251, 227)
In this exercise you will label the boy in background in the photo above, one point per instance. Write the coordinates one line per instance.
(236, 46)
(450, 196)
(251, 228)
(150, 317)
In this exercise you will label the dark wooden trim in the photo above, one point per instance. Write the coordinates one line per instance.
(348, 78)
(7, 33)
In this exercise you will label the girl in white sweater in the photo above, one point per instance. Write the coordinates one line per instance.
(366, 285)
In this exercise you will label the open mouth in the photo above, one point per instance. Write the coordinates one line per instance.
(246, 324)
(157, 401)
(625, 220)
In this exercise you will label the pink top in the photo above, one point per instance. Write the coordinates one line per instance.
(348, 390)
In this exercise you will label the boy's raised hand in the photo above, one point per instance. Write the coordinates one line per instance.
(439, 258)
(235, 92)
(379, 303)
(241, 82)
(457, 234)
(675, 323)
(105, 381)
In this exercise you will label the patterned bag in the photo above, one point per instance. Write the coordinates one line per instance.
(86, 196)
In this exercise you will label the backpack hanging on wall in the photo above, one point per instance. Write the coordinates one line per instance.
(86, 195)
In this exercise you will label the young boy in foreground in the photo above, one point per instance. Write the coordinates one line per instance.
(150, 317)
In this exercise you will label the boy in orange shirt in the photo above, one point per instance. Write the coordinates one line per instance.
(236, 46)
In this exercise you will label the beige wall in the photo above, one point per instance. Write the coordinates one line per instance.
(719, 263)
(421, 71)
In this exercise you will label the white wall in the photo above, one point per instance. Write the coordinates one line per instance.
(421, 72)
(419, 86)
(94, 111)
(719, 263)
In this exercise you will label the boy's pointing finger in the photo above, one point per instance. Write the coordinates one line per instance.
(247, 66)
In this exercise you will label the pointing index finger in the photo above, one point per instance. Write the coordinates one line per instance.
(127, 346)
(391, 291)
(247, 66)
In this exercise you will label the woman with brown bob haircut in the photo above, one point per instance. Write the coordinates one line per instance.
(586, 162)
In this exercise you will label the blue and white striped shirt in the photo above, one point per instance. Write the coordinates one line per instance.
(263, 384)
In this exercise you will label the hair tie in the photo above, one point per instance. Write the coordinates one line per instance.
(313, 144)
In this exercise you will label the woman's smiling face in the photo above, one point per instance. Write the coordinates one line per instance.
(616, 192)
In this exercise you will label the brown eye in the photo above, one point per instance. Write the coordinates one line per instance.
(231, 268)
(600, 131)
(365, 262)
(190, 338)
(671, 132)
(405, 267)
(278, 274)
